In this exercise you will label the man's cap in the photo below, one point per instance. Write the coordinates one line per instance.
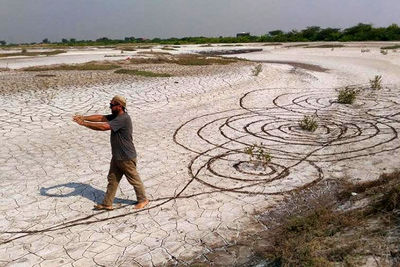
(120, 100)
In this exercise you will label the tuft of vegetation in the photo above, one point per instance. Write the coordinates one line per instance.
(85, 66)
(320, 232)
(258, 155)
(142, 73)
(376, 83)
(384, 52)
(257, 69)
(308, 123)
(365, 50)
(347, 95)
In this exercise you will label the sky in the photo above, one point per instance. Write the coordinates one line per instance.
(33, 20)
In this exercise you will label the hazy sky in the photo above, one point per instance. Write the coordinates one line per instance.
(34, 20)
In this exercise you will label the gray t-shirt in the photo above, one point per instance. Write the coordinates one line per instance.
(122, 146)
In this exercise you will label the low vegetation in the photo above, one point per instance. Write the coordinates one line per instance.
(24, 52)
(308, 123)
(142, 73)
(376, 83)
(258, 155)
(347, 95)
(384, 52)
(320, 231)
(391, 47)
(189, 60)
(85, 66)
(326, 46)
(257, 69)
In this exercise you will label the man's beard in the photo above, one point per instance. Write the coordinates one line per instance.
(114, 112)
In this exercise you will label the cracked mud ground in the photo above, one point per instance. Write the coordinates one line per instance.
(190, 134)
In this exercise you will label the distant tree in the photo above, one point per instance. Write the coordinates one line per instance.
(129, 39)
(311, 33)
(328, 34)
(45, 41)
(64, 41)
(360, 32)
(3, 42)
(72, 40)
(392, 32)
(275, 32)
(103, 40)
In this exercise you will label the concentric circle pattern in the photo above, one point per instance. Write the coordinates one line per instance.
(345, 132)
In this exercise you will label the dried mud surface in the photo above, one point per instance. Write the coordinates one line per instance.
(191, 131)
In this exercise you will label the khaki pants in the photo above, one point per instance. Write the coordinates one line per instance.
(117, 169)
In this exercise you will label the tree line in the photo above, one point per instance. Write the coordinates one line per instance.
(360, 32)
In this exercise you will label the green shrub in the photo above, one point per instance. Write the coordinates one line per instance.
(309, 123)
(376, 83)
(347, 95)
(258, 155)
(257, 69)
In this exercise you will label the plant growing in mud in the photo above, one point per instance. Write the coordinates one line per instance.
(257, 69)
(308, 123)
(376, 83)
(258, 155)
(347, 95)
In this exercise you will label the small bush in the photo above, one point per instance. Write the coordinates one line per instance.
(257, 69)
(376, 83)
(309, 123)
(384, 52)
(347, 95)
(142, 73)
(258, 155)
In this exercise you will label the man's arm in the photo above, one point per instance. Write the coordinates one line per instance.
(98, 126)
(93, 118)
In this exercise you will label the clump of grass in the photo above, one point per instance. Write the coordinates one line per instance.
(365, 50)
(384, 52)
(85, 66)
(376, 83)
(391, 47)
(258, 155)
(318, 232)
(308, 123)
(257, 69)
(347, 95)
(142, 73)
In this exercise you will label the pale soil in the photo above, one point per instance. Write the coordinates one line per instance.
(190, 131)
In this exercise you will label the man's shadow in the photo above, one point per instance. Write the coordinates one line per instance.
(83, 190)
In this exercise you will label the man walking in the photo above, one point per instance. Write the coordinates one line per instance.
(123, 161)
